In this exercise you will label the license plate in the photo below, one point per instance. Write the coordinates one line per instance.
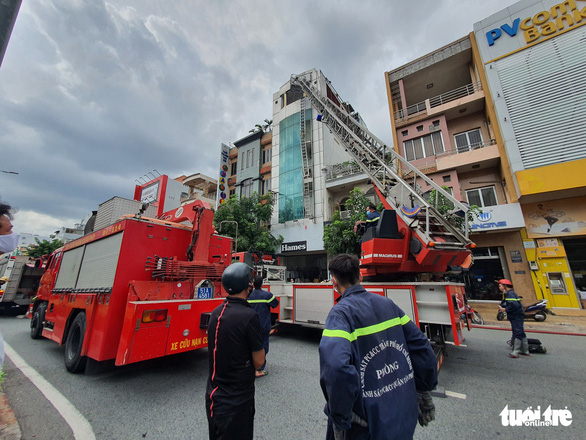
(204, 293)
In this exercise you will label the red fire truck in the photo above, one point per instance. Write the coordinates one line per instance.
(139, 289)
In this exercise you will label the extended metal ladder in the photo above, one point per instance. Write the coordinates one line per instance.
(306, 163)
(381, 164)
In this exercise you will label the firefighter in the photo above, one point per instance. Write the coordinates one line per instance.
(376, 366)
(511, 303)
(262, 302)
(235, 351)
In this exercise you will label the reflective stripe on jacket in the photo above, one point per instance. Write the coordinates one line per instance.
(372, 360)
(513, 306)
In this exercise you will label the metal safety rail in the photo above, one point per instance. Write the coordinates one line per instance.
(381, 164)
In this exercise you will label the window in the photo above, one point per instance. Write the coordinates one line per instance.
(233, 168)
(266, 155)
(246, 188)
(420, 128)
(405, 133)
(266, 186)
(468, 140)
(425, 146)
(447, 178)
(482, 196)
(232, 192)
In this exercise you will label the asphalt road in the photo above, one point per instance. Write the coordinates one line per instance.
(164, 398)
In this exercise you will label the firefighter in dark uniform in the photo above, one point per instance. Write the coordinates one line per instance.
(376, 366)
(235, 350)
(262, 302)
(511, 303)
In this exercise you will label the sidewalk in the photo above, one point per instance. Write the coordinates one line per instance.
(571, 321)
(9, 427)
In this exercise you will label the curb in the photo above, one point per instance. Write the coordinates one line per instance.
(546, 332)
(9, 427)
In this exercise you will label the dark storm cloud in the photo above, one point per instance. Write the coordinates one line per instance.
(95, 94)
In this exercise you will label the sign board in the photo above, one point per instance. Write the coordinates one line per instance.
(294, 246)
(223, 177)
(498, 217)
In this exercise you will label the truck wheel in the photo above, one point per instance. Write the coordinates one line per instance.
(37, 321)
(540, 316)
(74, 361)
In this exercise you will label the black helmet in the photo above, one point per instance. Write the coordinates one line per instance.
(236, 278)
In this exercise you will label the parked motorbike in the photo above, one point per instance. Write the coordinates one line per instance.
(472, 315)
(537, 311)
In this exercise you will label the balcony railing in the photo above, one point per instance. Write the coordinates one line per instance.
(458, 93)
(467, 148)
(438, 100)
(342, 170)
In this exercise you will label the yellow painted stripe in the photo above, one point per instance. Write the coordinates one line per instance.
(365, 331)
(512, 299)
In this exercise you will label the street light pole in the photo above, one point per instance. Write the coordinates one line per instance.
(236, 238)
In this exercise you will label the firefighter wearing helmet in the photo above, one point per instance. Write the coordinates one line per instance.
(511, 303)
(235, 350)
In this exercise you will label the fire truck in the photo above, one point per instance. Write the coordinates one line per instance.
(412, 237)
(21, 275)
(138, 289)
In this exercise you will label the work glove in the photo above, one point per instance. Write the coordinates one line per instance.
(356, 420)
(426, 407)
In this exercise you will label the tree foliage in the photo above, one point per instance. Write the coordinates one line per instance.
(252, 215)
(446, 208)
(339, 235)
(44, 247)
(264, 128)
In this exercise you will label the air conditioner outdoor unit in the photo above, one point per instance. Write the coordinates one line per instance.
(433, 128)
(344, 215)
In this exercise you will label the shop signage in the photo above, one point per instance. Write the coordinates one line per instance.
(294, 246)
(516, 257)
(561, 16)
(223, 178)
(498, 217)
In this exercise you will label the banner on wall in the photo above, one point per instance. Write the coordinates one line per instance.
(223, 178)
(556, 218)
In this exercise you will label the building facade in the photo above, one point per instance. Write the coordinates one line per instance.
(441, 123)
(535, 63)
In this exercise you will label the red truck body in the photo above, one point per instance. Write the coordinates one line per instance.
(140, 294)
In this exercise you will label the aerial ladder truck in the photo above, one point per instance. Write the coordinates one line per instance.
(412, 236)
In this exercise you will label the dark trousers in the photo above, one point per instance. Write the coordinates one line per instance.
(517, 327)
(238, 426)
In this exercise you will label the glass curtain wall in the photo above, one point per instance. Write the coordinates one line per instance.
(290, 170)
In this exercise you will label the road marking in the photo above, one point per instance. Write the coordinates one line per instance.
(455, 395)
(81, 428)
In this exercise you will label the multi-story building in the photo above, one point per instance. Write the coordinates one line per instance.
(312, 176)
(535, 63)
(441, 123)
(495, 117)
(250, 165)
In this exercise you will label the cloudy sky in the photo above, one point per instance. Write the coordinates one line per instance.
(95, 94)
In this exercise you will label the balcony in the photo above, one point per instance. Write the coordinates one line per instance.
(467, 157)
(439, 104)
(342, 174)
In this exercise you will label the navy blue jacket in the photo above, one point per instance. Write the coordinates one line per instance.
(372, 219)
(373, 358)
(513, 306)
(262, 301)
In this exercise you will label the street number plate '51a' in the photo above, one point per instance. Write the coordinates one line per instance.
(204, 293)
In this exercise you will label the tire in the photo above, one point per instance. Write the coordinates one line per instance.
(477, 319)
(540, 316)
(74, 361)
(37, 321)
